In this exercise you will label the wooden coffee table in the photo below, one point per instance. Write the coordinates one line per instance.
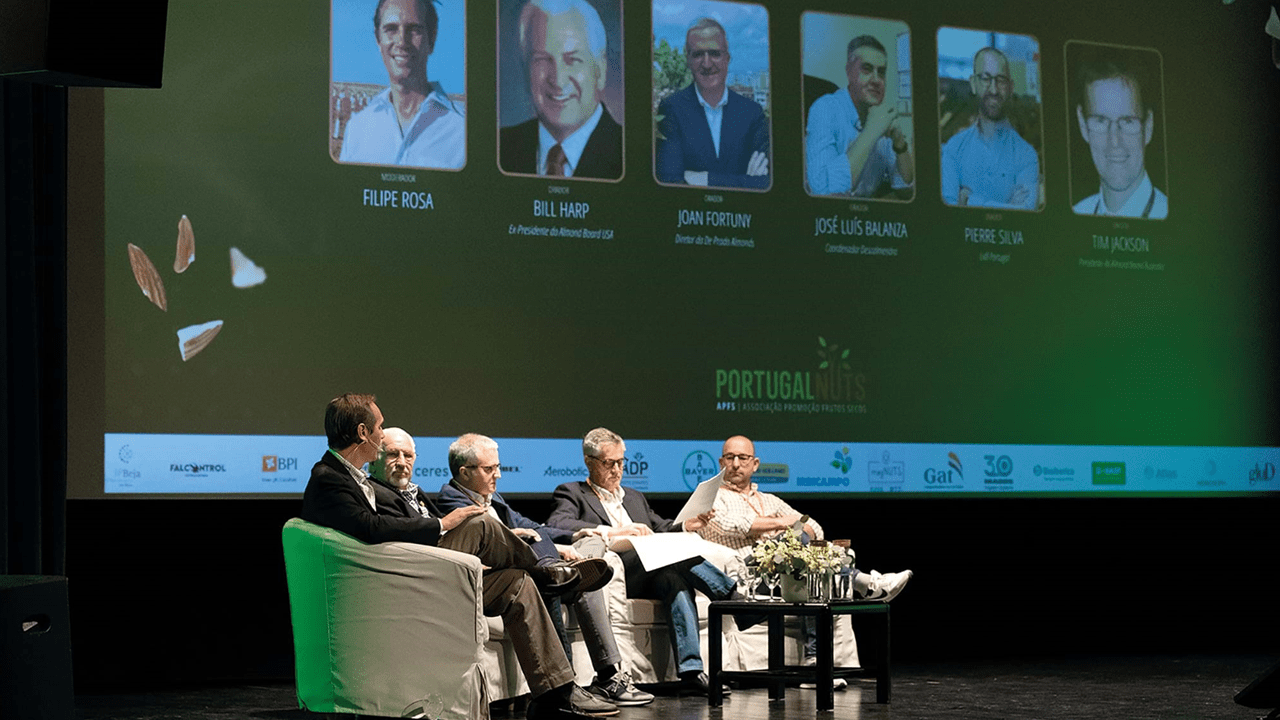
(777, 675)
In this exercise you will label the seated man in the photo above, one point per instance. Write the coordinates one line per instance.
(601, 506)
(473, 461)
(743, 515)
(339, 495)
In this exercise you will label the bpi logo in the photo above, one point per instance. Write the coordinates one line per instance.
(954, 472)
(272, 463)
(1262, 472)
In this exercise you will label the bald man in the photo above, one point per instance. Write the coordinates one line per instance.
(988, 164)
(744, 515)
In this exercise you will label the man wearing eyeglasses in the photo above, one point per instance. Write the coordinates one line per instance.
(988, 164)
(600, 506)
(1118, 126)
(854, 143)
(408, 515)
(743, 515)
(474, 463)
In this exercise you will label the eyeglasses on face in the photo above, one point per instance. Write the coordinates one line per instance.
(610, 464)
(1101, 124)
(1002, 81)
(731, 458)
(486, 469)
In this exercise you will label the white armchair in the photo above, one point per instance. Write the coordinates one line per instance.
(377, 628)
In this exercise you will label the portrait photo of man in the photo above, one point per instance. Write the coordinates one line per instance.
(711, 92)
(857, 107)
(560, 89)
(385, 108)
(990, 120)
(1115, 100)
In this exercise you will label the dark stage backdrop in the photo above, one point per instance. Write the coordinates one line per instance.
(890, 343)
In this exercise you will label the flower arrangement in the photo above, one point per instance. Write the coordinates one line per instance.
(784, 554)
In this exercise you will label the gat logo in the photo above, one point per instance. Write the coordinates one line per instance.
(272, 463)
(953, 471)
(1261, 472)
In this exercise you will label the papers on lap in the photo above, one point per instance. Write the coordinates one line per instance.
(663, 549)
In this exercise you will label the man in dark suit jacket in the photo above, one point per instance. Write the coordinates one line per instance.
(340, 495)
(709, 135)
(474, 463)
(601, 506)
(573, 134)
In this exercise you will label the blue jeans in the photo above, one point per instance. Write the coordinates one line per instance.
(592, 613)
(674, 586)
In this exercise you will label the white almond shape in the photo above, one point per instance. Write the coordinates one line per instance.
(245, 272)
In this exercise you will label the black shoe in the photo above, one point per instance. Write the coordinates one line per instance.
(698, 683)
(595, 573)
(557, 578)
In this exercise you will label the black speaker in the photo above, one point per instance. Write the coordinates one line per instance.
(83, 42)
(35, 649)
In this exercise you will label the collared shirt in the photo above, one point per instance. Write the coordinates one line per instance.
(990, 168)
(484, 501)
(715, 115)
(360, 477)
(436, 137)
(736, 511)
(1145, 202)
(410, 494)
(572, 145)
(833, 126)
(612, 502)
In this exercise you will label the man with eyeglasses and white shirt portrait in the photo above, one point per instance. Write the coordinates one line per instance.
(1117, 122)
(988, 164)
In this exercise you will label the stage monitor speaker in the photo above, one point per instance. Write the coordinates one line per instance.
(35, 649)
(1263, 693)
(83, 42)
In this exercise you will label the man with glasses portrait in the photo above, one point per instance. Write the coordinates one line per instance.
(1118, 127)
(600, 507)
(988, 164)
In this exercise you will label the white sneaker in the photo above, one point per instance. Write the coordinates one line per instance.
(882, 587)
(836, 683)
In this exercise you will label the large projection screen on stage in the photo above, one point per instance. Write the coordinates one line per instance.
(1049, 268)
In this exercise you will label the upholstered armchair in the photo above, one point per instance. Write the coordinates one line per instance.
(380, 628)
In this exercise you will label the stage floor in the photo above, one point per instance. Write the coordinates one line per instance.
(1096, 688)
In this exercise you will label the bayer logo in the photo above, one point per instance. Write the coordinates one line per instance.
(698, 466)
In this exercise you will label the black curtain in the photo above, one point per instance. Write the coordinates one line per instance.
(33, 308)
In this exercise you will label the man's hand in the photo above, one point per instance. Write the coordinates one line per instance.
(631, 529)
(759, 164)
(962, 198)
(696, 523)
(879, 119)
(897, 137)
(568, 553)
(526, 534)
(588, 532)
(455, 518)
(695, 178)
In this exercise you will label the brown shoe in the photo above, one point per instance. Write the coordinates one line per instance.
(595, 573)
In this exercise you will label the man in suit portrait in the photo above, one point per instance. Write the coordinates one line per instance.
(600, 506)
(563, 45)
(709, 135)
(474, 464)
(340, 495)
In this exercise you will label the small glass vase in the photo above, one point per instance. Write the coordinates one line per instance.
(794, 590)
(819, 585)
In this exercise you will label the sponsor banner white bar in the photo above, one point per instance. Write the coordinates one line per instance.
(159, 463)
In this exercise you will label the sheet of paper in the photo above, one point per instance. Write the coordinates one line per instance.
(662, 549)
(703, 497)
